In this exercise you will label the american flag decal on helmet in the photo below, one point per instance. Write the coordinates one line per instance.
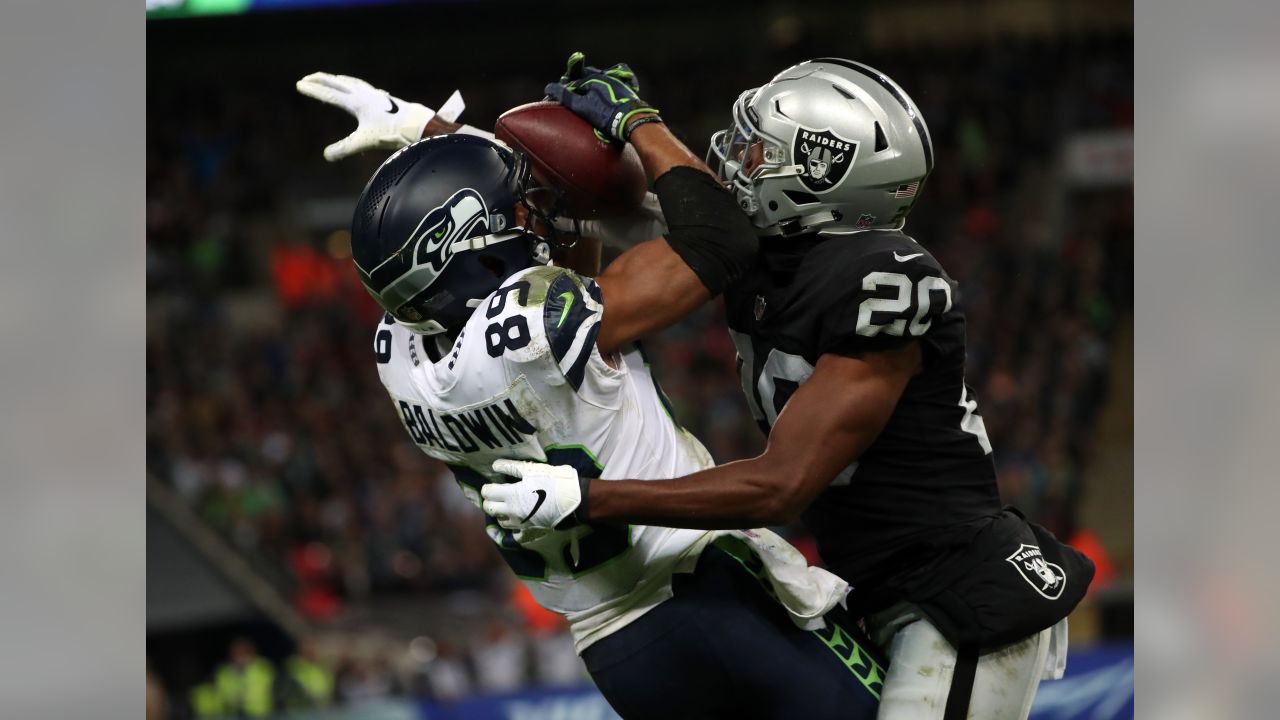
(908, 190)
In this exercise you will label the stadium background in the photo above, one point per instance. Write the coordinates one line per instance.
(287, 506)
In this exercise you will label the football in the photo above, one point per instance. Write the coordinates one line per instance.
(592, 177)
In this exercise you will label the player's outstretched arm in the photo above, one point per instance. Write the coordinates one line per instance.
(709, 241)
(830, 420)
(385, 122)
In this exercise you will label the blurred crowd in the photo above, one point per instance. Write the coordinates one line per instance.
(264, 409)
(325, 672)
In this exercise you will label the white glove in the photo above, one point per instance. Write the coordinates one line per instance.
(385, 122)
(543, 498)
(646, 222)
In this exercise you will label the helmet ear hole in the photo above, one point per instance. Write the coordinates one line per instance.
(800, 197)
(881, 142)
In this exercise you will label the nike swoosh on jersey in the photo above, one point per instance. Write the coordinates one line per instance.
(904, 258)
(394, 107)
(542, 496)
(568, 301)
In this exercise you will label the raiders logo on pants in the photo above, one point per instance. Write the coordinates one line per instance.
(974, 637)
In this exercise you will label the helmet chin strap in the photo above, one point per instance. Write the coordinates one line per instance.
(796, 226)
(813, 223)
(841, 231)
(480, 242)
(819, 218)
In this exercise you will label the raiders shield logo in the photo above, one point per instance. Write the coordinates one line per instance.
(1047, 578)
(825, 157)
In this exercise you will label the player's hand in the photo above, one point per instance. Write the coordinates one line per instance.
(385, 122)
(608, 99)
(545, 497)
(576, 68)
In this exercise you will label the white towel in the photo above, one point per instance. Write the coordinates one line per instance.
(1055, 662)
(807, 593)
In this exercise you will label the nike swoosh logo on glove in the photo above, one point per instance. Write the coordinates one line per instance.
(542, 496)
(394, 107)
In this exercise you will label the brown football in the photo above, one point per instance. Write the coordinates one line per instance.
(594, 178)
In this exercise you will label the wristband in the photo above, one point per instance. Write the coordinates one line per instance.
(469, 130)
(631, 127)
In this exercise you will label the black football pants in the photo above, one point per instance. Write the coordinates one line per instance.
(723, 648)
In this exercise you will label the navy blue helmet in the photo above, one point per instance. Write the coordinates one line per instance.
(434, 231)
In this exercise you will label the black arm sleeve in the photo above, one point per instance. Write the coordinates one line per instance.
(706, 227)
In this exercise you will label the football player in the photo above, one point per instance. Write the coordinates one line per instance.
(490, 354)
(853, 327)
(851, 349)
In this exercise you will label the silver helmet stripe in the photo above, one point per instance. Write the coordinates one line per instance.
(899, 95)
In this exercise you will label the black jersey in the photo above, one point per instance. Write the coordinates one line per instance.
(928, 479)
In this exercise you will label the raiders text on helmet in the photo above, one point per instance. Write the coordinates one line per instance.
(434, 231)
(829, 145)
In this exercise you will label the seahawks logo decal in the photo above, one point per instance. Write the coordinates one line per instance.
(825, 157)
(445, 225)
(429, 248)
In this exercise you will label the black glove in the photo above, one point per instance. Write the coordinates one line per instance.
(608, 99)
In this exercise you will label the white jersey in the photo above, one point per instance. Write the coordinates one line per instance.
(525, 380)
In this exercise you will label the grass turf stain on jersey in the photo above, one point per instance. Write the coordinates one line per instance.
(540, 280)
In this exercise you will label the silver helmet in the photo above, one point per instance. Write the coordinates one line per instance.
(829, 146)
